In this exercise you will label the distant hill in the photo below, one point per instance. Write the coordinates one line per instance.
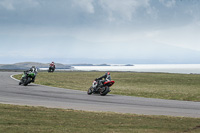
(27, 65)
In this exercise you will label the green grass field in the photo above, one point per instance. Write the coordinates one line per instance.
(27, 119)
(152, 85)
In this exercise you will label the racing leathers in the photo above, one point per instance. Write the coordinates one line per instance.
(102, 79)
(52, 66)
(34, 70)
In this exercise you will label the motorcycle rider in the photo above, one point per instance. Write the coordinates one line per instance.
(34, 70)
(106, 77)
(52, 65)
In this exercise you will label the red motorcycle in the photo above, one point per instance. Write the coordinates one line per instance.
(102, 88)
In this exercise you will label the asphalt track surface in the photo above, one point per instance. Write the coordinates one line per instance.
(39, 95)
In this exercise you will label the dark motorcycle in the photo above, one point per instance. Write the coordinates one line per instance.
(51, 69)
(27, 78)
(101, 89)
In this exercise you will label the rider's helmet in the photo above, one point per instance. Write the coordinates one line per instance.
(108, 73)
(52, 62)
(32, 68)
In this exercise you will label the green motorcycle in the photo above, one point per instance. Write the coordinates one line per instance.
(27, 78)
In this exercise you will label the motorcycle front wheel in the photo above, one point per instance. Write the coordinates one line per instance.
(27, 81)
(89, 92)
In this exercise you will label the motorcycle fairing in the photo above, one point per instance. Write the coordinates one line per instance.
(109, 83)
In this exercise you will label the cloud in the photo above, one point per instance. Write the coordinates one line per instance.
(122, 9)
(18, 4)
(77, 28)
(7, 4)
(184, 37)
(86, 5)
(168, 3)
(133, 14)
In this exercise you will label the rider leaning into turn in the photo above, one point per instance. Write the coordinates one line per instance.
(34, 70)
(106, 77)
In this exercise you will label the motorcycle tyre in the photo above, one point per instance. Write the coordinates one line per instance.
(51, 70)
(89, 92)
(27, 81)
(25, 84)
(104, 92)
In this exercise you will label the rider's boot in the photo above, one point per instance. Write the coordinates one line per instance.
(33, 79)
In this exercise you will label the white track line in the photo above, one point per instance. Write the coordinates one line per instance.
(13, 77)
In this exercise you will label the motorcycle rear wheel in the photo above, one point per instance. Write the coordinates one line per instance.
(104, 91)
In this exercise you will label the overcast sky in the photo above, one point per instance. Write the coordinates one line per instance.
(100, 31)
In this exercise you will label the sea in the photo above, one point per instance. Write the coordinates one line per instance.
(161, 68)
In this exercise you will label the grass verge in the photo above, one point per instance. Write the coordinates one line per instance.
(152, 85)
(23, 119)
